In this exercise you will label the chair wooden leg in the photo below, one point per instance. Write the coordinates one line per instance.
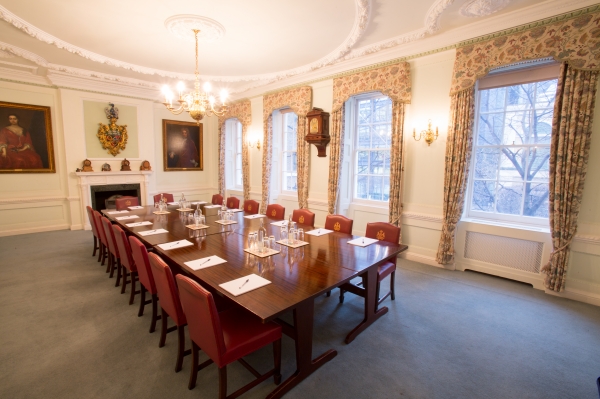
(342, 295)
(95, 246)
(155, 316)
(194, 371)
(110, 260)
(163, 331)
(181, 352)
(117, 266)
(142, 300)
(393, 285)
(328, 293)
(223, 382)
(133, 277)
(124, 273)
(277, 361)
(101, 253)
(114, 266)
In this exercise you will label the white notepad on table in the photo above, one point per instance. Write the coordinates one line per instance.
(213, 206)
(258, 215)
(199, 202)
(173, 203)
(116, 212)
(127, 217)
(138, 224)
(362, 241)
(175, 244)
(281, 223)
(318, 232)
(242, 285)
(152, 232)
(235, 210)
(136, 207)
(205, 262)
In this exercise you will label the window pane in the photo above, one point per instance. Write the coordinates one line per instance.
(516, 130)
(364, 111)
(238, 178)
(520, 96)
(492, 99)
(387, 161)
(294, 160)
(536, 200)
(364, 137)
(363, 162)
(238, 161)
(375, 188)
(361, 187)
(484, 194)
(542, 127)
(509, 198)
(380, 139)
(386, 188)
(538, 164)
(486, 163)
(490, 129)
(383, 109)
(546, 93)
(377, 162)
(512, 164)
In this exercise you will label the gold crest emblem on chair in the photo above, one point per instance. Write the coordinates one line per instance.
(380, 235)
(128, 202)
(249, 208)
(336, 226)
(274, 213)
(301, 219)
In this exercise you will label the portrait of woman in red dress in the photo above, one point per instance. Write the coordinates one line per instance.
(16, 147)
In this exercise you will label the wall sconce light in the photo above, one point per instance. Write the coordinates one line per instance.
(428, 134)
(254, 141)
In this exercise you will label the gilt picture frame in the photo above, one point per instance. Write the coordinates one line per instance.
(182, 146)
(26, 142)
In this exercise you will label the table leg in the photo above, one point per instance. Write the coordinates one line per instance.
(371, 314)
(305, 364)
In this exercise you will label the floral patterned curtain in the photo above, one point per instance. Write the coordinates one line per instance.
(300, 101)
(458, 153)
(242, 112)
(393, 81)
(569, 152)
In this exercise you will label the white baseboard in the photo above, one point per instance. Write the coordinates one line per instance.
(80, 227)
(40, 229)
(427, 260)
(577, 295)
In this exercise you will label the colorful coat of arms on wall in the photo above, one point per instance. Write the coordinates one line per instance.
(112, 136)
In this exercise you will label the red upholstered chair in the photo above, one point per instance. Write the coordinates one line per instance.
(123, 203)
(90, 213)
(339, 223)
(384, 232)
(168, 197)
(251, 207)
(142, 263)
(276, 211)
(170, 306)
(102, 236)
(128, 266)
(113, 251)
(304, 216)
(233, 203)
(226, 337)
(217, 199)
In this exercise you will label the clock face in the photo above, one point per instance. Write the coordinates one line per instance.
(313, 127)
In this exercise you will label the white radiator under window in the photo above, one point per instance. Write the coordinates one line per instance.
(515, 253)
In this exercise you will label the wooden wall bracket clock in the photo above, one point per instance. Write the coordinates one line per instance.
(318, 130)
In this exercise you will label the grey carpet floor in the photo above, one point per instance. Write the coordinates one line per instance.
(66, 332)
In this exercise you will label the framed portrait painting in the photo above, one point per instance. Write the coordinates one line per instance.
(182, 146)
(25, 139)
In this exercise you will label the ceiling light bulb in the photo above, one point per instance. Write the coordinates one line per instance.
(180, 87)
(165, 89)
(211, 100)
(207, 87)
(223, 95)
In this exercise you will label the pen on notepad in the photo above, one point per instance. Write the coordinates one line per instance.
(207, 260)
(244, 283)
(363, 240)
(174, 245)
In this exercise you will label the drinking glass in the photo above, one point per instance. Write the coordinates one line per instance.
(197, 221)
(272, 242)
(219, 213)
(293, 225)
(156, 205)
(283, 235)
(292, 236)
(261, 245)
(251, 241)
(266, 244)
(300, 233)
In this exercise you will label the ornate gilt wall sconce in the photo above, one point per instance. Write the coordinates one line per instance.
(253, 141)
(427, 134)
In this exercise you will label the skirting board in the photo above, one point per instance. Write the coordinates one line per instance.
(576, 295)
(427, 260)
(14, 232)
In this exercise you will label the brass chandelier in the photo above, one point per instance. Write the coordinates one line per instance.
(197, 103)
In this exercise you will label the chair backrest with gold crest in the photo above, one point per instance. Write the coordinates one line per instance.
(233, 203)
(125, 202)
(251, 207)
(276, 211)
(383, 232)
(304, 216)
(339, 223)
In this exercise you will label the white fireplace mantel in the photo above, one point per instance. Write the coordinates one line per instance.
(88, 179)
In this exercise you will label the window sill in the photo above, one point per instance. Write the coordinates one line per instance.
(509, 225)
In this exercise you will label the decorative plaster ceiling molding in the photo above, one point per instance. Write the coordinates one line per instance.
(6, 54)
(481, 8)
(181, 27)
(432, 19)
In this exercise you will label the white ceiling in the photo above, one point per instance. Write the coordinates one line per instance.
(264, 40)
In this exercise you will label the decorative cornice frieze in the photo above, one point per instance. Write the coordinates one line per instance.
(482, 8)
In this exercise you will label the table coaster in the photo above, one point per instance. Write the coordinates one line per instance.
(261, 255)
(160, 212)
(225, 222)
(138, 224)
(295, 245)
(185, 209)
(152, 232)
(136, 207)
(126, 217)
(258, 215)
(242, 285)
(175, 244)
(318, 232)
(205, 262)
(199, 227)
(116, 212)
(362, 241)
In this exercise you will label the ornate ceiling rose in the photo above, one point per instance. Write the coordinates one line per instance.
(481, 8)
(181, 27)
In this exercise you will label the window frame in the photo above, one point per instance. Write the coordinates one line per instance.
(282, 141)
(495, 217)
(234, 169)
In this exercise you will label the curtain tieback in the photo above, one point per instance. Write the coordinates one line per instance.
(546, 267)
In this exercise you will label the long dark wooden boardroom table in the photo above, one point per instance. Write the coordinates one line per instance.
(297, 276)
